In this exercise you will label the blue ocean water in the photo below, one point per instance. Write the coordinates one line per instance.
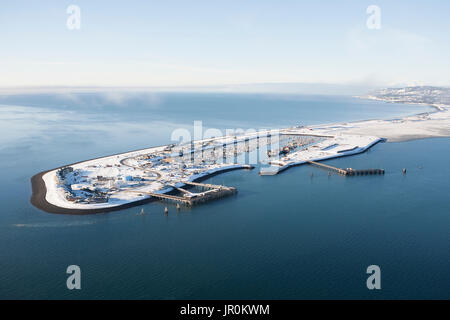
(290, 236)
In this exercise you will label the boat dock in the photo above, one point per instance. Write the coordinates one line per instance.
(188, 198)
(352, 172)
(347, 171)
(207, 185)
(329, 168)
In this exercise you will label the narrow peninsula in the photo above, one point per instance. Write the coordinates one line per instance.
(132, 178)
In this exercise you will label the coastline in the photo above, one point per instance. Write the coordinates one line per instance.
(39, 191)
(388, 129)
(423, 125)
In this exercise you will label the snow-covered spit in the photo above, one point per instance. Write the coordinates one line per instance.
(419, 126)
(127, 178)
(159, 176)
(423, 125)
(130, 177)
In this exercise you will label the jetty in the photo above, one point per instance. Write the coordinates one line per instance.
(347, 171)
(207, 185)
(329, 168)
(211, 192)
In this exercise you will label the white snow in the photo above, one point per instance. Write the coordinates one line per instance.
(161, 169)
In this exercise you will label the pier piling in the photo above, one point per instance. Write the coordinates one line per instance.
(348, 171)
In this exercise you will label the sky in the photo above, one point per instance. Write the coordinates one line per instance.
(212, 43)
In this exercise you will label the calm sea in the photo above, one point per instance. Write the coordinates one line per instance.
(290, 236)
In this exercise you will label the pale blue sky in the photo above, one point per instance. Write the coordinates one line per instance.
(197, 43)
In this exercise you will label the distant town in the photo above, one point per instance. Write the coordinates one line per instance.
(418, 95)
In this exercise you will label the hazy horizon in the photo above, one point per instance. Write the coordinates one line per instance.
(261, 88)
(208, 44)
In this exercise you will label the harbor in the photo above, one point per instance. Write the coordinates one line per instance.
(278, 220)
(211, 192)
(167, 172)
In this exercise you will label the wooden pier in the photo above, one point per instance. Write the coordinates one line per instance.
(181, 190)
(352, 172)
(206, 185)
(348, 171)
(329, 168)
(162, 196)
(190, 198)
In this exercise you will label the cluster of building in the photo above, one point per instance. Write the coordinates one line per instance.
(418, 94)
(112, 179)
(77, 189)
